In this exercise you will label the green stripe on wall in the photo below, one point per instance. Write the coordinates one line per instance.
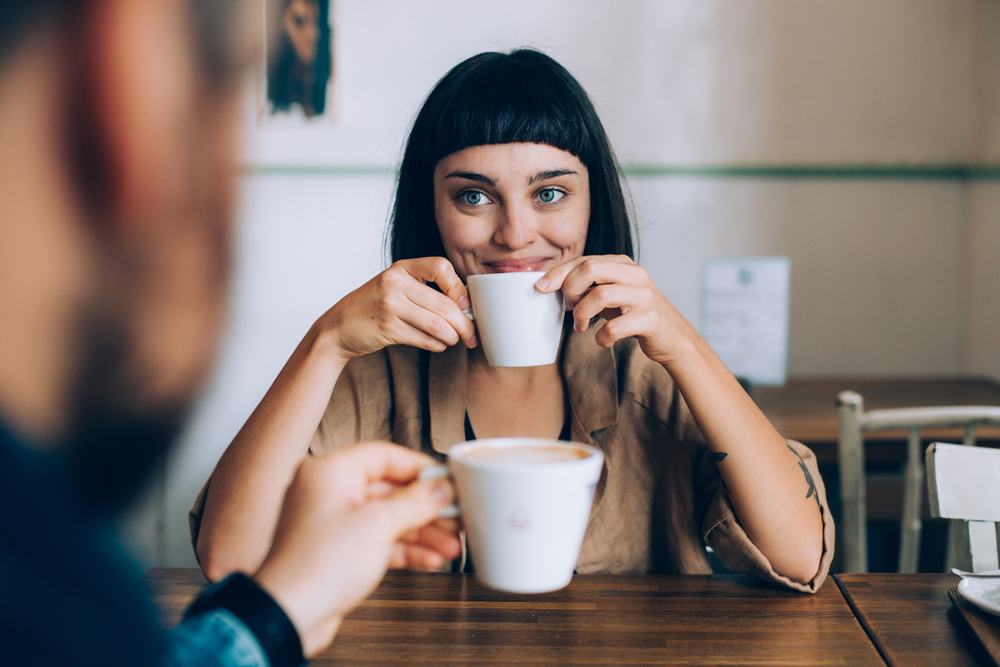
(333, 170)
(776, 172)
(865, 171)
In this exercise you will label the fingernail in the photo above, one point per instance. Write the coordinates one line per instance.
(542, 284)
(474, 341)
(579, 326)
(441, 491)
(433, 471)
(463, 302)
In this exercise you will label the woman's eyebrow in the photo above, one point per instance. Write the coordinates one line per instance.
(472, 176)
(551, 173)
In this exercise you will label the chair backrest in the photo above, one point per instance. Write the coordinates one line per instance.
(964, 483)
(853, 421)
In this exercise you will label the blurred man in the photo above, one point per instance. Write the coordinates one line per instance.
(117, 141)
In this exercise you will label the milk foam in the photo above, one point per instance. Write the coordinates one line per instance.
(525, 454)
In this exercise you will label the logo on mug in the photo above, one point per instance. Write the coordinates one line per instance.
(519, 520)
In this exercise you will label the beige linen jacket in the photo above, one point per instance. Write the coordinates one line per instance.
(660, 498)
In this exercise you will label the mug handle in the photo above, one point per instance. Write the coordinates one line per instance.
(471, 314)
(435, 472)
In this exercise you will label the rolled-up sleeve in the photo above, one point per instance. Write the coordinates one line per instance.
(722, 531)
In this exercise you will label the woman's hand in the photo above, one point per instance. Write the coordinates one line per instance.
(398, 307)
(762, 472)
(620, 291)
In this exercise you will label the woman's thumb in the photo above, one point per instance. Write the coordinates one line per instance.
(417, 504)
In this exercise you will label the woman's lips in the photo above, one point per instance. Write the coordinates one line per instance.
(516, 265)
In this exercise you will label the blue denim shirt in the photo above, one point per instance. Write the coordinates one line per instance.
(215, 639)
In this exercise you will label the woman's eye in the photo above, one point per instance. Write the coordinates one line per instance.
(550, 195)
(474, 198)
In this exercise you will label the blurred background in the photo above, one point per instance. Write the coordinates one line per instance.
(859, 138)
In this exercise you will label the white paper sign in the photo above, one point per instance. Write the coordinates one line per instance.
(744, 315)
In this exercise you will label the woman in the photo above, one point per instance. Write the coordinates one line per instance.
(507, 168)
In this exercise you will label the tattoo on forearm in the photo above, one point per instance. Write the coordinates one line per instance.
(805, 471)
(718, 456)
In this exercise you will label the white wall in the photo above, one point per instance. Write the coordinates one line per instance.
(982, 351)
(981, 354)
(890, 276)
(678, 81)
(876, 266)
(988, 74)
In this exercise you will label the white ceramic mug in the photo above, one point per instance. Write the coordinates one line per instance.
(518, 325)
(525, 516)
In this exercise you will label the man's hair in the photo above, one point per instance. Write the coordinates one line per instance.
(212, 23)
(504, 98)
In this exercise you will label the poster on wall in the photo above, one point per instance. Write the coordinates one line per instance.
(300, 57)
(298, 70)
(290, 112)
(744, 315)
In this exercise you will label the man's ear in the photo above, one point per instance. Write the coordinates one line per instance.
(143, 83)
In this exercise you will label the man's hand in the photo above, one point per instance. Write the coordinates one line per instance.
(345, 519)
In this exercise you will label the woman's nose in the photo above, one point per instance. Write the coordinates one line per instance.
(516, 228)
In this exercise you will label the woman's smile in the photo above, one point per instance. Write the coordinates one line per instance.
(513, 264)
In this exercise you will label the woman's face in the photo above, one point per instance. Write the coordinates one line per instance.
(511, 207)
(302, 25)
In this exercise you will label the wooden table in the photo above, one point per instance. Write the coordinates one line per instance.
(805, 410)
(911, 620)
(418, 618)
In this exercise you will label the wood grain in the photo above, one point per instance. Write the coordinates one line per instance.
(911, 619)
(986, 626)
(419, 618)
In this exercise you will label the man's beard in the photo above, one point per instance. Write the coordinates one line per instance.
(117, 448)
(118, 435)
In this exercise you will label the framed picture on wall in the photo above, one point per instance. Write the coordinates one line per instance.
(297, 89)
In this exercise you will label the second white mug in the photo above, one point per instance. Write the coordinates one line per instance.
(525, 503)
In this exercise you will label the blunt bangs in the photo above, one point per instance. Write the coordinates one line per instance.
(501, 99)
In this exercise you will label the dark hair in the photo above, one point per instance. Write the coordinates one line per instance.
(498, 98)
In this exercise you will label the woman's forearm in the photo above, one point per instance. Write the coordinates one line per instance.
(767, 485)
(249, 482)
(396, 307)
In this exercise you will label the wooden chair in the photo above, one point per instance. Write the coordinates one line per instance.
(963, 484)
(853, 421)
